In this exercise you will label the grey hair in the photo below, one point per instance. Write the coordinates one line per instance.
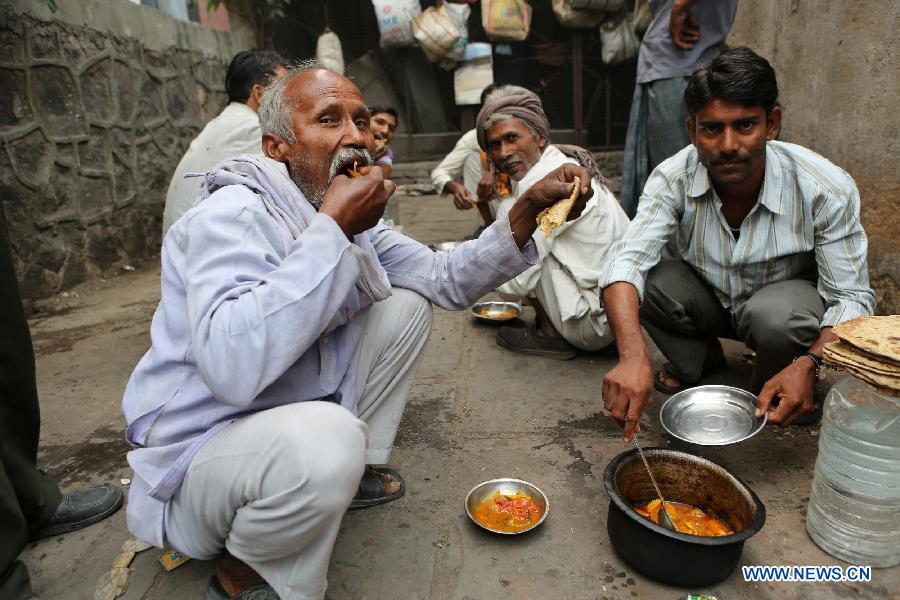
(274, 108)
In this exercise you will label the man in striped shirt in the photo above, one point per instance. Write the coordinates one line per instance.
(768, 249)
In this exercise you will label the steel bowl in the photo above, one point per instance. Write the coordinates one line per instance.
(506, 485)
(669, 556)
(496, 311)
(711, 415)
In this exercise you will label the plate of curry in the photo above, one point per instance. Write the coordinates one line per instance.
(496, 311)
(507, 506)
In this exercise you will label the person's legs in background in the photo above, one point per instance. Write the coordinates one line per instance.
(31, 505)
(635, 168)
(667, 114)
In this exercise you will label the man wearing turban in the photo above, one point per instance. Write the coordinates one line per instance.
(562, 286)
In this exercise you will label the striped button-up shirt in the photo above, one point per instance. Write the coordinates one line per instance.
(804, 225)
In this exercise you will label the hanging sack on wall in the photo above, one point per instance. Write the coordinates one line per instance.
(460, 14)
(436, 31)
(576, 18)
(641, 17)
(609, 6)
(394, 20)
(329, 52)
(506, 20)
(618, 41)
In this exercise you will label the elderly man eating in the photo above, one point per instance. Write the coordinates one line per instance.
(562, 287)
(289, 331)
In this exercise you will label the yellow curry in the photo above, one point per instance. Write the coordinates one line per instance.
(687, 519)
(508, 512)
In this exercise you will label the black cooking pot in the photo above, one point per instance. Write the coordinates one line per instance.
(672, 557)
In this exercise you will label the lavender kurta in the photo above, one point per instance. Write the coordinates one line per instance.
(251, 318)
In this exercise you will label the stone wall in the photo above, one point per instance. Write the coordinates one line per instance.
(98, 105)
(839, 76)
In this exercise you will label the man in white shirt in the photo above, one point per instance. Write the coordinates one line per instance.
(562, 287)
(234, 131)
(467, 161)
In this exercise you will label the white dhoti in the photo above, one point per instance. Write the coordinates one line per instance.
(273, 486)
(575, 315)
(566, 279)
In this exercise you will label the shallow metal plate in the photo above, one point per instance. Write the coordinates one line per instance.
(711, 415)
(496, 311)
(506, 485)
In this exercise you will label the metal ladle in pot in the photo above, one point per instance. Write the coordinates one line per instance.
(663, 517)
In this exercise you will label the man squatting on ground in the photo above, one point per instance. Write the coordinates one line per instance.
(233, 131)
(289, 330)
(481, 186)
(563, 286)
(770, 251)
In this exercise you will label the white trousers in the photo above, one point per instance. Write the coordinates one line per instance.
(273, 486)
(590, 332)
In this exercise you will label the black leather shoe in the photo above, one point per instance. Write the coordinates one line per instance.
(80, 509)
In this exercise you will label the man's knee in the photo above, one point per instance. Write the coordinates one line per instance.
(662, 287)
(777, 326)
(320, 446)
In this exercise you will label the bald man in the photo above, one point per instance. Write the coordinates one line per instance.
(291, 325)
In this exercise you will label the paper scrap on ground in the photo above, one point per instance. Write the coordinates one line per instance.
(114, 582)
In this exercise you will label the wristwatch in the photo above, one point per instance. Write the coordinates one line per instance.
(816, 360)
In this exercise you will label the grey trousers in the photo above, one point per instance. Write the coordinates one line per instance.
(273, 486)
(683, 316)
(656, 131)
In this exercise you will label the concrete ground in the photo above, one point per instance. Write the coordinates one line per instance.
(475, 412)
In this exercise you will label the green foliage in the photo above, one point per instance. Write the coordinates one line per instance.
(51, 4)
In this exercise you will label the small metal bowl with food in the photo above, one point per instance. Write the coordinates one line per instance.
(507, 506)
(496, 311)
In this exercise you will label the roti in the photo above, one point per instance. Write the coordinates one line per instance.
(839, 353)
(551, 218)
(876, 335)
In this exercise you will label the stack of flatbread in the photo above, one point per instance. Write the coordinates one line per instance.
(869, 350)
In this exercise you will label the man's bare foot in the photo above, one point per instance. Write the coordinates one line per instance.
(235, 575)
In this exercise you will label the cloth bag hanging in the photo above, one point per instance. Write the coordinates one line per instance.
(610, 6)
(329, 51)
(394, 21)
(460, 14)
(506, 20)
(618, 41)
(436, 31)
(576, 18)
